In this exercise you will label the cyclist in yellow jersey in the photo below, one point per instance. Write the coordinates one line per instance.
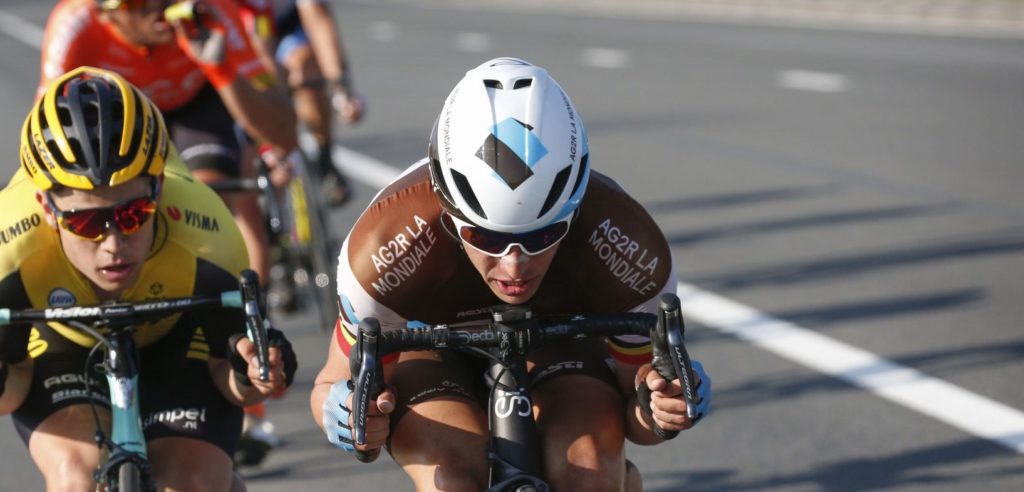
(102, 209)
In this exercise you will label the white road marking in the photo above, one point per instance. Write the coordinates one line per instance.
(20, 30)
(975, 414)
(383, 31)
(805, 80)
(472, 42)
(605, 58)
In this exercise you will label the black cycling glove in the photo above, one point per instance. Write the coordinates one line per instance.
(275, 338)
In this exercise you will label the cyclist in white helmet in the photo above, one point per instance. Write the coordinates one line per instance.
(505, 210)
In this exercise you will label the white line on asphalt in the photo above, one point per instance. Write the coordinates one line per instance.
(605, 58)
(472, 42)
(806, 80)
(20, 30)
(974, 413)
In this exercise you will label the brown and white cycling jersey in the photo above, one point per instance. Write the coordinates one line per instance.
(400, 266)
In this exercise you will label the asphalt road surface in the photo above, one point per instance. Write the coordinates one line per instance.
(844, 209)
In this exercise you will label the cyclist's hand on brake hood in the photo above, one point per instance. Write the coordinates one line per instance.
(338, 420)
(667, 404)
(282, 361)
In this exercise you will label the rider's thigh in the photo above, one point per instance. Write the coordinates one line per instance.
(181, 463)
(439, 430)
(64, 449)
(581, 420)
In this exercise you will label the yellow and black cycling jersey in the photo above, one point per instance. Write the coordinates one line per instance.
(197, 250)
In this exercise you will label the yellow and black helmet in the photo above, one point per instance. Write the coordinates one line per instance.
(92, 128)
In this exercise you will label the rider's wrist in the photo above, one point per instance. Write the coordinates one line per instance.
(239, 366)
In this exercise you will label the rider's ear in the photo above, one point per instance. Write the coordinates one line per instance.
(47, 212)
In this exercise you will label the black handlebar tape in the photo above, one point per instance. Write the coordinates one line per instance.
(368, 375)
(249, 282)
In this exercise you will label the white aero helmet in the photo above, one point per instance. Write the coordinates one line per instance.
(508, 151)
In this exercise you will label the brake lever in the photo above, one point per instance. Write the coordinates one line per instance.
(367, 373)
(678, 363)
(670, 359)
(255, 327)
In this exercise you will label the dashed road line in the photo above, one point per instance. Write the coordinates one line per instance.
(605, 58)
(806, 80)
(472, 42)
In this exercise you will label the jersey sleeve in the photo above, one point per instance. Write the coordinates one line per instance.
(356, 304)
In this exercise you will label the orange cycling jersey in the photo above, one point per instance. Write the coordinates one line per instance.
(76, 35)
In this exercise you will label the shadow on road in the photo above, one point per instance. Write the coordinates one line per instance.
(916, 467)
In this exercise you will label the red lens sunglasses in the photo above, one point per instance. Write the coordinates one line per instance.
(92, 223)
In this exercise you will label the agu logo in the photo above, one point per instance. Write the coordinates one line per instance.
(61, 297)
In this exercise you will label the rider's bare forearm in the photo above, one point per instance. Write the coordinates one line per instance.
(322, 31)
(266, 115)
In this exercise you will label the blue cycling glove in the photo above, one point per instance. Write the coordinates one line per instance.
(703, 391)
(336, 416)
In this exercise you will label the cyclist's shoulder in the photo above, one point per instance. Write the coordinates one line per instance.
(616, 247)
(72, 18)
(23, 229)
(408, 199)
(398, 249)
(198, 222)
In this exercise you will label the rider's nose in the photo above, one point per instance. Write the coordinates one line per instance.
(514, 263)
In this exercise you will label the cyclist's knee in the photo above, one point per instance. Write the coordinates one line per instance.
(190, 464)
(63, 449)
(70, 471)
(449, 476)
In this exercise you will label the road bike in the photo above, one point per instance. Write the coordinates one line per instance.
(296, 222)
(127, 468)
(514, 448)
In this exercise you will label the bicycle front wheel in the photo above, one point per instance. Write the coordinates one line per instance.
(129, 478)
(319, 251)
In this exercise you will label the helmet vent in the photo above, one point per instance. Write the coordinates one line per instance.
(583, 172)
(493, 84)
(556, 190)
(467, 193)
(76, 149)
(521, 83)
